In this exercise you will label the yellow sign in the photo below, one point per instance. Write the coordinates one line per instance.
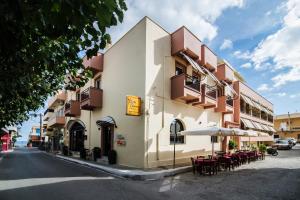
(133, 105)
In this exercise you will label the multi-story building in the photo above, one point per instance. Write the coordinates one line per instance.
(149, 79)
(287, 126)
(54, 118)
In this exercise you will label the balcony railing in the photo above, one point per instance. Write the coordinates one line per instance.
(95, 64)
(229, 102)
(91, 98)
(211, 91)
(185, 88)
(184, 41)
(57, 99)
(72, 108)
(208, 58)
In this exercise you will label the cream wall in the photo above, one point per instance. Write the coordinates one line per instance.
(161, 110)
(123, 74)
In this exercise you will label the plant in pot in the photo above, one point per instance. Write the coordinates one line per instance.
(112, 157)
(262, 149)
(65, 151)
(231, 145)
(83, 153)
(96, 153)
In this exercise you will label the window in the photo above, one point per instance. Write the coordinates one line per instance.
(298, 136)
(98, 83)
(276, 136)
(176, 126)
(179, 69)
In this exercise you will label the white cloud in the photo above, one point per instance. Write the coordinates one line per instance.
(281, 94)
(282, 48)
(227, 44)
(246, 65)
(264, 87)
(198, 16)
(242, 55)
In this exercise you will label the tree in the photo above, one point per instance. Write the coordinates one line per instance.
(40, 43)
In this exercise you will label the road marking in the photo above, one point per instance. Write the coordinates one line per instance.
(21, 183)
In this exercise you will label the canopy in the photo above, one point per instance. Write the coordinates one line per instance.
(212, 131)
(247, 123)
(193, 63)
(108, 120)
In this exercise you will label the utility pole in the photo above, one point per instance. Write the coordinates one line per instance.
(289, 121)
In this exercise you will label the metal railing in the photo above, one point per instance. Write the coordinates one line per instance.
(85, 94)
(229, 101)
(68, 106)
(211, 91)
(192, 82)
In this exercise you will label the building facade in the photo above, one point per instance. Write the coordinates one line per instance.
(287, 126)
(175, 77)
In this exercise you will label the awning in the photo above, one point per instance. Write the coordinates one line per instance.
(106, 121)
(265, 127)
(248, 123)
(257, 105)
(258, 125)
(272, 129)
(247, 100)
(193, 63)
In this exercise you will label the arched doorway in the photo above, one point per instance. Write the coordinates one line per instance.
(76, 136)
(107, 126)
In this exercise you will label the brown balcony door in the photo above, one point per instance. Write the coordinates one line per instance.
(107, 135)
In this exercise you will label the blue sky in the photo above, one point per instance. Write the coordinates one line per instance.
(260, 38)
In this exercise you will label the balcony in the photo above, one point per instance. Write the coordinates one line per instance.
(208, 58)
(56, 121)
(58, 99)
(91, 98)
(208, 97)
(224, 105)
(184, 41)
(95, 64)
(47, 114)
(225, 73)
(183, 88)
(72, 108)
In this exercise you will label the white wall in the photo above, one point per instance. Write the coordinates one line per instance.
(160, 67)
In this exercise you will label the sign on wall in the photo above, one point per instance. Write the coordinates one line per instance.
(133, 105)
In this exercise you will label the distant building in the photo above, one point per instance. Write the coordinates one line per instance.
(35, 136)
(287, 126)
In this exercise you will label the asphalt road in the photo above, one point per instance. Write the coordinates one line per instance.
(31, 174)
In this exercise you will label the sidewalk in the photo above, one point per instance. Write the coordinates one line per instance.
(135, 174)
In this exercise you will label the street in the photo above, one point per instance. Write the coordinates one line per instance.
(31, 174)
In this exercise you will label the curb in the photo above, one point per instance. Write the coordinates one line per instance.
(131, 174)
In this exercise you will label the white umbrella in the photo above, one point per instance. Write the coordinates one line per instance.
(212, 131)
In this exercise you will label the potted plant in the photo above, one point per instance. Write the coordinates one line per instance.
(83, 153)
(112, 157)
(232, 145)
(96, 153)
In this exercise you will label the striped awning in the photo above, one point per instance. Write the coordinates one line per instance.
(247, 123)
(247, 100)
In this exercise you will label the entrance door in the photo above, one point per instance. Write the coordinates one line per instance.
(106, 139)
(76, 137)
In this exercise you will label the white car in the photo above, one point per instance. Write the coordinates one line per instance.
(293, 140)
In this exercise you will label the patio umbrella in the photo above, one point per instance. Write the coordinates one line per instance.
(211, 131)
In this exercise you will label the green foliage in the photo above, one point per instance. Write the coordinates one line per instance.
(40, 43)
(231, 145)
(262, 148)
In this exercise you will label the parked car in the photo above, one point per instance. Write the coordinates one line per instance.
(292, 140)
(283, 144)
